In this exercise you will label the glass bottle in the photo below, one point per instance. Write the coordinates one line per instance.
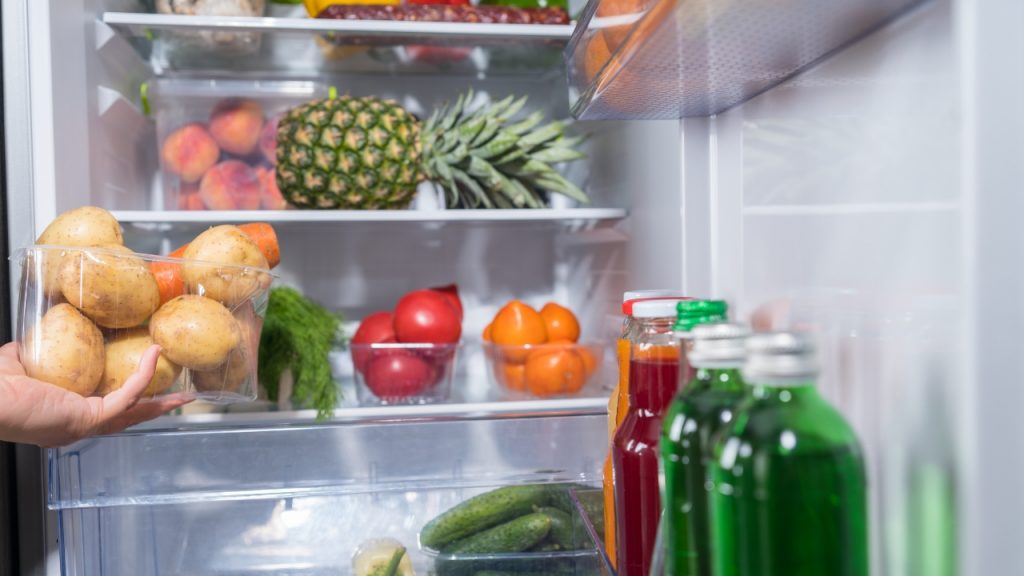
(653, 381)
(618, 402)
(788, 485)
(704, 407)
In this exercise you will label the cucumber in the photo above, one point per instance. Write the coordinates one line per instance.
(515, 536)
(391, 568)
(591, 499)
(482, 512)
(562, 533)
(546, 545)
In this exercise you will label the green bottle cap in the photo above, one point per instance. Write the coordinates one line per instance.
(690, 313)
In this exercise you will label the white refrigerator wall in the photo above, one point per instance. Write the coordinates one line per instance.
(838, 203)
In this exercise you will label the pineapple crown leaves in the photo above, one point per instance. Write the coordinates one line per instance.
(483, 159)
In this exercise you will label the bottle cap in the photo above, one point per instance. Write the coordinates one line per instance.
(716, 343)
(690, 313)
(778, 357)
(654, 309)
(628, 298)
(652, 293)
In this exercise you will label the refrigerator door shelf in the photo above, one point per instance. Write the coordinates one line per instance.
(237, 44)
(651, 59)
(359, 456)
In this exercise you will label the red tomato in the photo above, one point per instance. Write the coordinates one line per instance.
(399, 374)
(377, 328)
(451, 291)
(425, 316)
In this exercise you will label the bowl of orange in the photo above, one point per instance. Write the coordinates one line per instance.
(538, 353)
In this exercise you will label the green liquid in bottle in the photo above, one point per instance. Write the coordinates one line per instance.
(691, 424)
(788, 491)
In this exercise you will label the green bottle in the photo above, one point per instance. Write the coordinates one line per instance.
(690, 313)
(716, 352)
(788, 490)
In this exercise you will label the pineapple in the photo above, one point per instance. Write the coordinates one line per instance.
(370, 153)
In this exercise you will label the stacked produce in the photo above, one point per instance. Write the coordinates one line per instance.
(370, 153)
(447, 13)
(539, 352)
(91, 307)
(409, 354)
(227, 162)
(471, 537)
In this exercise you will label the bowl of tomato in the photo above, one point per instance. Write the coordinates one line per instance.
(548, 370)
(402, 373)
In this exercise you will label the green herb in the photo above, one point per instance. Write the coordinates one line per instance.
(298, 335)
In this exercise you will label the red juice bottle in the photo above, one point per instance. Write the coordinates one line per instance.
(653, 382)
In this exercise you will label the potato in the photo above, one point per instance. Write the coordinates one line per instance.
(85, 226)
(123, 352)
(215, 272)
(65, 349)
(112, 285)
(195, 332)
(227, 378)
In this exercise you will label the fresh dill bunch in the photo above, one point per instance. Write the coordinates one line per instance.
(298, 334)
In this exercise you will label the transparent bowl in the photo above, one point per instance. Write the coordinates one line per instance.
(545, 370)
(389, 374)
(86, 316)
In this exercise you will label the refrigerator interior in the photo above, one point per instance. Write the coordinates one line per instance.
(840, 202)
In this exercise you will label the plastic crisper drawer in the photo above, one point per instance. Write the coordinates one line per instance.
(360, 457)
(302, 500)
(658, 59)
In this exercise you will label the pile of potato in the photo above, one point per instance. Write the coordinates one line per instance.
(91, 307)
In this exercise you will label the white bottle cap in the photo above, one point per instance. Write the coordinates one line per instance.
(653, 293)
(655, 309)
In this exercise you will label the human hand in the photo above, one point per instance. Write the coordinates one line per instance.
(34, 412)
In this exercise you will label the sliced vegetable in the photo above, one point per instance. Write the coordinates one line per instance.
(442, 13)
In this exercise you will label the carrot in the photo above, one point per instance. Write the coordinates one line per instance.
(168, 277)
(265, 237)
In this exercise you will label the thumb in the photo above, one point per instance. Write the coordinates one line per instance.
(127, 395)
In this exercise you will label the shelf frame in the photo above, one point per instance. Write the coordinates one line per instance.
(368, 216)
(140, 23)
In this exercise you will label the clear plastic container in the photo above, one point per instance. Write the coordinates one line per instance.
(566, 549)
(545, 370)
(389, 374)
(86, 315)
(223, 42)
(216, 140)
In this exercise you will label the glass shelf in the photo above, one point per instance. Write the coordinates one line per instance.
(573, 219)
(379, 452)
(237, 46)
(651, 59)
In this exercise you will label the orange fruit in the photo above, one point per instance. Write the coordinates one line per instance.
(556, 371)
(512, 376)
(517, 324)
(560, 322)
(487, 333)
(589, 360)
(594, 57)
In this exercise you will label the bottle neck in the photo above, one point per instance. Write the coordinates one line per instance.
(791, 391)
(724, 377)
(653, 383)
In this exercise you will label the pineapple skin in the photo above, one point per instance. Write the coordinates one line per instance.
(349, 153)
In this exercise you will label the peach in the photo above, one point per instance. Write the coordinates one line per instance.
(268, 140)
(189, 152)
(272, 198)
(236, 125)
(231, 185)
